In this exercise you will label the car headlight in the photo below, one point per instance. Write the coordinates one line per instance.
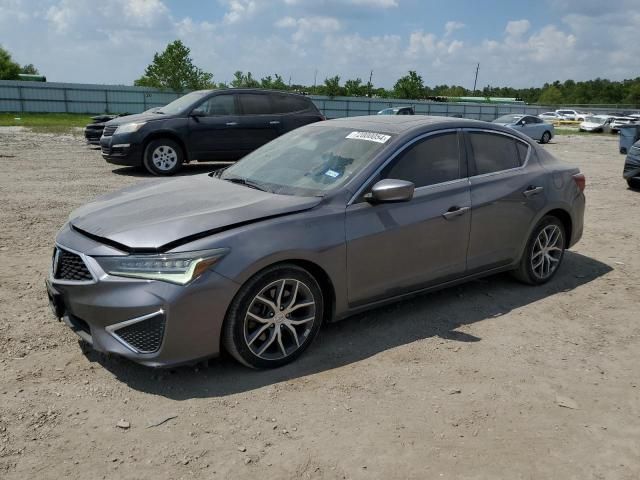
(179, 268)
(129, 127)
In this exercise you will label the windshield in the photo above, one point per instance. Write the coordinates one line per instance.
(508, 119)
(182, 103)
(597, 120)
(308, 161)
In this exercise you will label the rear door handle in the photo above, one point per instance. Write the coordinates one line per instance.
(232, 124)
(455, 212)
(532, 190)
(274, 122)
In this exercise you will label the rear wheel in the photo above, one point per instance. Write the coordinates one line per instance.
(544, 252)
(546, 136)
(163, 157)
(274, 317)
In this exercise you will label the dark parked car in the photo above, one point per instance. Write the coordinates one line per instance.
(204, 125)
(631, 171)
(398, 111)
(93, 131)
(325, 221)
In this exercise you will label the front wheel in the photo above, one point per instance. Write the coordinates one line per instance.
(544, 252)
(163, 157)
(546, 136)
(274, 317)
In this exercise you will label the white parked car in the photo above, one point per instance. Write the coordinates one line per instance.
(551, 116)
(596, 123)
(617, 121)
(572, 115)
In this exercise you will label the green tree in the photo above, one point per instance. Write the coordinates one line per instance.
(9, 70)
(410, 86)
(551, 95)
(354, 88)
(29, 70)
(332, 86)
(173, 69)
(633, 96)
(242, 80)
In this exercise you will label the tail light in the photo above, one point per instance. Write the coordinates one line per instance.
(580, 180)
(322, 118)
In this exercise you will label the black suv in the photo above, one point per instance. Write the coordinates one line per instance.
(204, 125)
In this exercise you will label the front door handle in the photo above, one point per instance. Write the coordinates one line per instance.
(274, 122)
(532, 190)
(232, 124)
(455, 212)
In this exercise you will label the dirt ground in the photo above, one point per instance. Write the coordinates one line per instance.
(490, 380)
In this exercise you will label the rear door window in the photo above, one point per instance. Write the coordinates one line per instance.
(493, 152)
(255, 104)
(436, 159)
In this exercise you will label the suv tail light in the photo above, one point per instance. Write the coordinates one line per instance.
(580, 180)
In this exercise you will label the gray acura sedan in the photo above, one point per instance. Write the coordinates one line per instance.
(328, 220)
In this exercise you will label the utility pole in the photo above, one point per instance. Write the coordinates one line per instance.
(370, 85)
(475, 82)
(315, 78)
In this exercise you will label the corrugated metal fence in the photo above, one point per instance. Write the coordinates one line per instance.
(17, 96)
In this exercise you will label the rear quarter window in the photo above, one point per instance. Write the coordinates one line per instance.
(289, 104)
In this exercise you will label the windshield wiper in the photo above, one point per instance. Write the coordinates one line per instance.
(245, 182)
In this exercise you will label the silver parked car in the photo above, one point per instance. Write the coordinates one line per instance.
(328, 220)
(530, 125)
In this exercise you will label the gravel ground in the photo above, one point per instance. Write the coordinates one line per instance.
(489, 380)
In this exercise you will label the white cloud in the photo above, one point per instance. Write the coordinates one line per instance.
(451, 27)
(517, 28)
(239, 10)
(307, 26)
(376, 3)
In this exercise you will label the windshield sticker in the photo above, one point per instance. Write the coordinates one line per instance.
(369, 136)
(332, 173)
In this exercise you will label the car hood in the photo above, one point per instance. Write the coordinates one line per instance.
(138, 117)
(157, 216)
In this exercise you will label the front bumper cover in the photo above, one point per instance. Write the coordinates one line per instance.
(98, 310)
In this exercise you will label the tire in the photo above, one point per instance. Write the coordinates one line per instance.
(623, 151)
(163, 156)
(546, 136)
(259, 329)
(633, 183)
(543, 239)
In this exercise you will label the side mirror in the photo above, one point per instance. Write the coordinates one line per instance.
(390, 190)
(197, 112)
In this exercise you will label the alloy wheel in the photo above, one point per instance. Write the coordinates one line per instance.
(547, 251)
(279, 319)
(164, 158)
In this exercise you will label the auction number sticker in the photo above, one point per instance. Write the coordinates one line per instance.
(369, 136)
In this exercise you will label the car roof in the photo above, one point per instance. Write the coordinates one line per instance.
(402, 124)
(252, 90)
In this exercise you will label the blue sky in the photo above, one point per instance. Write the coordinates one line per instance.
(518, 43)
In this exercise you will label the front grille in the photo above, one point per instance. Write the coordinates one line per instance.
(109, 130)
(144, 336)
(69, 266)
(105, 150)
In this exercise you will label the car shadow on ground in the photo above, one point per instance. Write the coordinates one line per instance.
(188, 169)
(437, 314)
